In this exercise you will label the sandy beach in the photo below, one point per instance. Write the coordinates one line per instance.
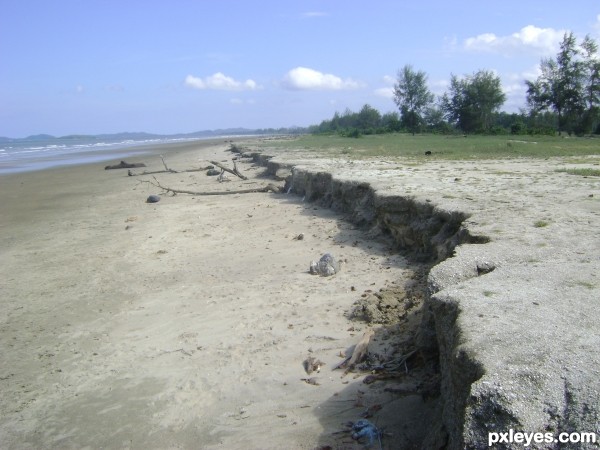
(187, 323)
(182, 323)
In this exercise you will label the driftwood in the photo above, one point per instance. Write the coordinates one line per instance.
(361, 349)
(359, 353)
(124, 165)
(200, 169)
(226, 169)
(166, 170)
(268, 188)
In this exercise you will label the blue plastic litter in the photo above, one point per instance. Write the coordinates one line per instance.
(366, 433)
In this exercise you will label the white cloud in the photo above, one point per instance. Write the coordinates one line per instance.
(385, 92)
(219, 81)
(388, 79)
(544, 41)
(303, 79)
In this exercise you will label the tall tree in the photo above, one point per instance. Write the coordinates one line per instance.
(472, 101)
(412, 96)
(591, 69)
(368, 119)
(561, 85)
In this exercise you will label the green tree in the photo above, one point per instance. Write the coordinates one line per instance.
(561, 86)
(391, 121)
(473, 100)
(434, 120)
(368, 119)
(412, 97)
(591, 69)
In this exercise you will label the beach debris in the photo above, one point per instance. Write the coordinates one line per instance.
(300, 237)
(227, 169)
(311, 365)
(124, 165)
(311, 380)
(213, 172)
(361, 349)
(222, 177)
(359, 353)
(325, 267)
(167, 169)
(365, 433)
(268, 188)
(153, 199)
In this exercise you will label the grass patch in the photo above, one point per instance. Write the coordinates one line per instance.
(584, 172)
(540, 224)
(585, 284)
(455, 147)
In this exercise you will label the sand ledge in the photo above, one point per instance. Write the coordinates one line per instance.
(487, 372)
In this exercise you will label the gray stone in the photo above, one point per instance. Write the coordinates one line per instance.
(326, 266)
(153, 199)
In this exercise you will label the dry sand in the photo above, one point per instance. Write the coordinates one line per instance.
(180, 324)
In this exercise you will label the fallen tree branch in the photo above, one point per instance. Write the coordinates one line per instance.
(124, 165)
(167, 169)
(268, 188)
(164, 163)
(200, 169)
(226, 169)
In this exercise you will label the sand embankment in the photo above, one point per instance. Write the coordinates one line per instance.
(513, 315)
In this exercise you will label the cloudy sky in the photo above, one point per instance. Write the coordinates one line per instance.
(90, 67)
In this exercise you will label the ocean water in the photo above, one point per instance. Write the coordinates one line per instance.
(37, 154)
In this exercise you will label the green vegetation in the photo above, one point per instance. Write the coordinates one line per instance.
(413, 98)
(569, 86)
(473, 101)
(453, 147)
(540, 224)
(565, 97)
(584, 172)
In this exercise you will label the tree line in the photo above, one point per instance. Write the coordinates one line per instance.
(564, 98)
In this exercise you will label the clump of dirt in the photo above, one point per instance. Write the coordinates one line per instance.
(393, 303)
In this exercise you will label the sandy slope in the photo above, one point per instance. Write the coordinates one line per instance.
(181, 324)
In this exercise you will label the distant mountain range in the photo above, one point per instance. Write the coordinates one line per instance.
(144, 136)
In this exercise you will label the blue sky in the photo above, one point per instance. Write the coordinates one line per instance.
(90, 67)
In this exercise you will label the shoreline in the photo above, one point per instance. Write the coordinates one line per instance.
(77, 157)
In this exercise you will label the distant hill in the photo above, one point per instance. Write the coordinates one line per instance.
(140, 136)
(39, 137)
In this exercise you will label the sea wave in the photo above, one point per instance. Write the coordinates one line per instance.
(27, 156)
